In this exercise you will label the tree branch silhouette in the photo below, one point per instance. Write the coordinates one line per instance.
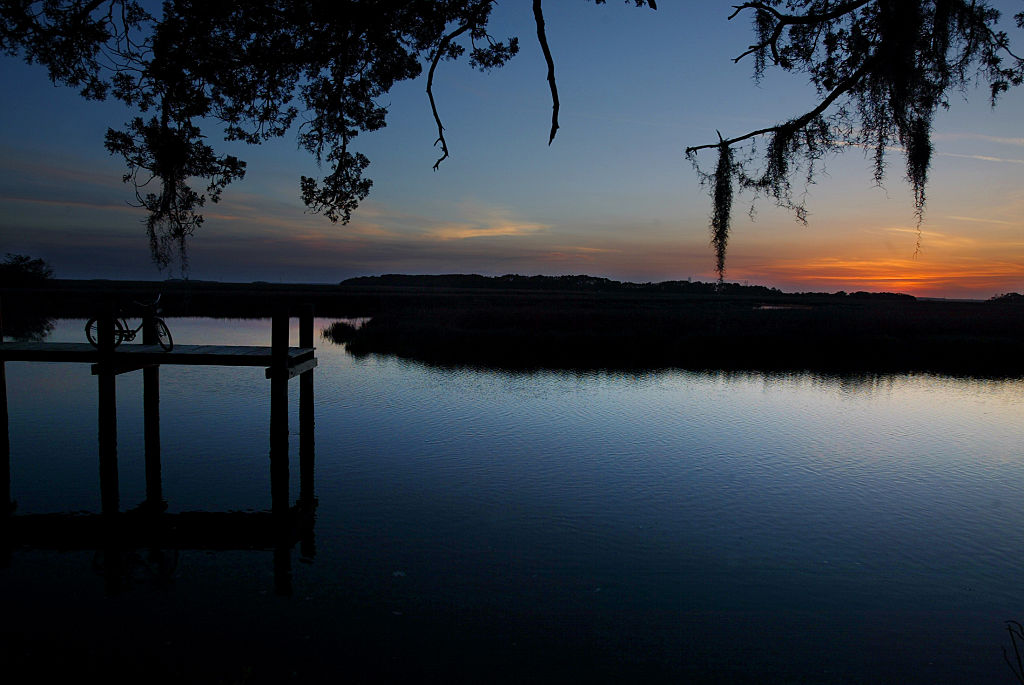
(538, 14)
(797, 123)
(445, 42)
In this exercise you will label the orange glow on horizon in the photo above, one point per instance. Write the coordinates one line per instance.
(914, 277)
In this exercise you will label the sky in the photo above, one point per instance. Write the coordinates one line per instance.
(613, 196)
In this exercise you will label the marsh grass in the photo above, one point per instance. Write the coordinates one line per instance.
(702, 334)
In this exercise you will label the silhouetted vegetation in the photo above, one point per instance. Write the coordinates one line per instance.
(20, 319)
(256, 69)
(580, 321)
(881, 68)
(866, 335)
(594, 284)
(339, 332)
(19, 270)
(1008, 298)
(552, 283)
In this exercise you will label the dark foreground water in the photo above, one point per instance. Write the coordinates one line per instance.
(478, 526)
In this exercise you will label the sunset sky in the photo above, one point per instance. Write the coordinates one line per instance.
(613, 196)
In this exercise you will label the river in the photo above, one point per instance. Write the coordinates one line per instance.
(477, 525)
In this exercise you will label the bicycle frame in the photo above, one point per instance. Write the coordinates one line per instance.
(127, 332)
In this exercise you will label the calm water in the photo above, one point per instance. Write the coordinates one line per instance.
(477, 525)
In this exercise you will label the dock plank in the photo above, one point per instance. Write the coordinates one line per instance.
(199, 355)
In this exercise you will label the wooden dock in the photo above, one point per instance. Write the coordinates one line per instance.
(202, 355)
(282, 364)
(131, 357)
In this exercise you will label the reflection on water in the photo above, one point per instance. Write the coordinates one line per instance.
(477, 525)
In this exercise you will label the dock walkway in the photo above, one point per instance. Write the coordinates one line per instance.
(203, 355)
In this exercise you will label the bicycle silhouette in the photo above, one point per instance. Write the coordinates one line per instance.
(123, 332)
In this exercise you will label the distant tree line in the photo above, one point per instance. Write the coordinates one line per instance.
(593, 284)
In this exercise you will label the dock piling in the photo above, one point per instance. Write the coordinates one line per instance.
(107, 380)
(5, 445)
(5, 438)
(307, 434)
(5, 462)
(307, 422)
(279, 412)
(151, 424)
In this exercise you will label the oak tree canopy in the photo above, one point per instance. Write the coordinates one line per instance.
(259, 69)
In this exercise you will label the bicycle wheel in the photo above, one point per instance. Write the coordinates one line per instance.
(163, 335)
(92, 331)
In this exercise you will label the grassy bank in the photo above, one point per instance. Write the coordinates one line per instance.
(953, 338)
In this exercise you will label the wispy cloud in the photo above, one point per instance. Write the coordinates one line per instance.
(105, 206)
(914, 231)
(958, 155)
(260, 217)
(475, 221)
(1000, 140)
(982, 220)
(464, 231)
(930, 240)
(983, 158)
(590, 250)
(576, 254)
(44, 170)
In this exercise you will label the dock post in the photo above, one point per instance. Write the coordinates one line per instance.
(151, 426)
(5, 445)
(279, 412)
(307, 439)
(279, 450)
(109, 488)
(307, 422)
(5, 438)
(5, 471)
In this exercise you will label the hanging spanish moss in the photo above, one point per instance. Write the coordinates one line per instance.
(918, 146)
(722, 195)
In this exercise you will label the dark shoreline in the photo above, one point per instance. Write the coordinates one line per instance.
(515, 328)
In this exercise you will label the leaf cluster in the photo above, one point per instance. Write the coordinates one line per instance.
(254, 70)
(84, 44)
